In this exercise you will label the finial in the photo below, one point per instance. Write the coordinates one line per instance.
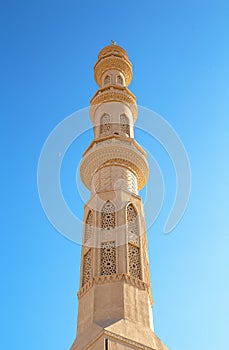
(113, 42)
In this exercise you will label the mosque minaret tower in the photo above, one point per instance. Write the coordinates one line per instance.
(114, 298)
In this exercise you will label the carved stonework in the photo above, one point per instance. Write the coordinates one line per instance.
(88, 226)
(134, 261)
(100, 156)
(87, 267)
(114, 93)
(108, 258)
(124, 125)
(114, 278)
(132, 225)
(113, 178)
(105, 124)
(113, 62)
(108, 216)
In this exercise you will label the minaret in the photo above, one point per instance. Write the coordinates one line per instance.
(114, 308)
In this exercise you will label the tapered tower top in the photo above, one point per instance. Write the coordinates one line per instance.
(113, 57)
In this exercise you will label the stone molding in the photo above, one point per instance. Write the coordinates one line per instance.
(114, 50)
(113, 139)
(111, 94)
(114, 278)
(116, 62)
(112, 154)
(157, 342)
(158, 345)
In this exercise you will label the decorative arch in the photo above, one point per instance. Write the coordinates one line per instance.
(88, 226)
(87, 267)
(124, 125)
(105, 124)
(119, 79)
(107, 79)
(108, 216)
(132, 222)
(134, 255)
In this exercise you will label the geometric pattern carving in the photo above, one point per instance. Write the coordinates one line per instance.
(125, 155)
(108, 258)
(88, 226)
(134, 261)
(132, 224)
(134, 257)
(87, 267)
(105, 124)
(107, 179)
(124, 125)
(108, 216)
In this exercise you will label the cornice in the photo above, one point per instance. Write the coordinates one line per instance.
(115, 278)
(114, 93)
(113, 62)
(117, 138)
(106, 153)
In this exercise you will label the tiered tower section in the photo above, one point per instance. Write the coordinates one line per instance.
(114, 310)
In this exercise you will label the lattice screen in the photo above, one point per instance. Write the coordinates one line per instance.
(120, 80)
(108, 258)
(134, 257)
(87, 267)
(105, 124)
(132, 222)
(108, 216)
(134, 261)
(124, 124)
(88, 226)
(107, 80)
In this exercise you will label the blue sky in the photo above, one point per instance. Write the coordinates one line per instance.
(180, 54)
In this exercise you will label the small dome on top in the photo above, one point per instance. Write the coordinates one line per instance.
(113, 49)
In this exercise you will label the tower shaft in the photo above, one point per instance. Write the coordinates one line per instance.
(114, 299)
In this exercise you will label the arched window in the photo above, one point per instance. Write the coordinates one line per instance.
(88, 226)
(124, 125)
(105, 124)
(119, 79)
(107, 80)
(134, 258)
(132, 222)
(108, 249)
(108, 216)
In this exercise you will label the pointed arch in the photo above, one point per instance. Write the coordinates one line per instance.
(119, 79)
(132, 224)
(108, 216)
(105, 124)
(107, 79)
(88, 226)
(134, 255)
(124, 125)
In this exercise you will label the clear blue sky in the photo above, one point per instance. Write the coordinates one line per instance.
(180, 55)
